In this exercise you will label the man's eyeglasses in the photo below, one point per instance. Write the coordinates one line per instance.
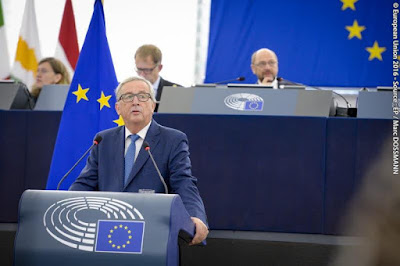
(264, 64)
(128, 97)
(145, 70)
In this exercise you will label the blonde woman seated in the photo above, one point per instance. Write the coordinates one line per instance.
(50, 71)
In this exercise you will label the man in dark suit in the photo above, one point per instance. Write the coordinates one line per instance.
(109, 166)
(264, 64)
(148, 59)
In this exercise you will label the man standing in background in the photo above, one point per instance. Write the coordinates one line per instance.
(148, 59)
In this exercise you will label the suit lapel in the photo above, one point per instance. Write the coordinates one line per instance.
(152, 138)
(159, 89)
(117, 163)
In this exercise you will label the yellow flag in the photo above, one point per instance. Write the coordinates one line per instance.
(28, 49)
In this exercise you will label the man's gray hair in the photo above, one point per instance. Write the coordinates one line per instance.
(118, 92)
(253, 57)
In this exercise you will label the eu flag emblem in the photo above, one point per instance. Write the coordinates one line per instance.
(254, 106)
(120, 236)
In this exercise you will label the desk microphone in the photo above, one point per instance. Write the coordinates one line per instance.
(96, 142)
(341, 111)
(347, 102)
(147, 148)
(279, 79)
(230, 80)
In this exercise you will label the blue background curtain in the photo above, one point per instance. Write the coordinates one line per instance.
(309, 37)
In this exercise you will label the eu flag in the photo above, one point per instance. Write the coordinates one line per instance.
(254, 105)
(89, 107)
(322, 43)
(119, 236)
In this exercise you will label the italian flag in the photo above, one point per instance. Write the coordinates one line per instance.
(28, 49)
(5, 60)
(67, 49)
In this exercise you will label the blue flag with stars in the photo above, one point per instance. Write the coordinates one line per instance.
(89, 107)
(322, 43)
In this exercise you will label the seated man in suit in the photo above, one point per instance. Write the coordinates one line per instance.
(264, 64)
(105, 169)
(148, 65)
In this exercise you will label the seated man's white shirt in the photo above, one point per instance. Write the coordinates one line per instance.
(274, 83)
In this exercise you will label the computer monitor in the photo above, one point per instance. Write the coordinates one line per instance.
(52, 98)
(15, 95)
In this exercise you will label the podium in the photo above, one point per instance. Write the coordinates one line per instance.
(100, 228)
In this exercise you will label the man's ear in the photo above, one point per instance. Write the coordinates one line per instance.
(117, 108)
(253, 69)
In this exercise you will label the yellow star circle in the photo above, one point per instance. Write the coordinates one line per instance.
(348, 4)
(103, 100)
(81, 93)
(375, 51)
(355, 30)
(119, 121)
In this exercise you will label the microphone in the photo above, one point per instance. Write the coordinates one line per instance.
(341, 111)
(96, 142)
(345, 100)
(230, 80)
(279, 79)
(147, 148)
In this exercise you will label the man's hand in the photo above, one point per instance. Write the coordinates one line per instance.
(267, 81)
(201, 231)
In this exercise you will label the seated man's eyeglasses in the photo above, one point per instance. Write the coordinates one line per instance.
(128, 97)
(145, 70)
(264, 64)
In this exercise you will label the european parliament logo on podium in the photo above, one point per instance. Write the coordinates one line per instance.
(244, 102)
(96, 224)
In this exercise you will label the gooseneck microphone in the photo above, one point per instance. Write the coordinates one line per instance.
(339, 111)
(342, 111)
(147, 148)
(96, 142)
(230, 80)
(279, 79)
(338, 94)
